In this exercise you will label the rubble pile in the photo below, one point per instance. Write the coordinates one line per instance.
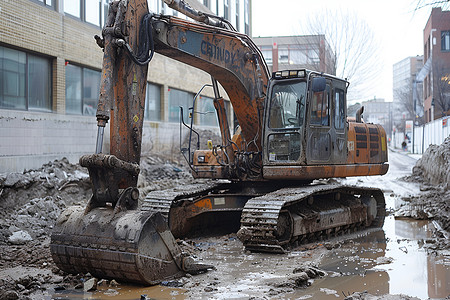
(31, 201)
(432, 172)
(434, 165)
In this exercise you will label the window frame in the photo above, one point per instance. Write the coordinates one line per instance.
(82, 79)
(445, 40)
(103, 11)
(340, 106)
(226, 9)
(147, 116)
(237, 15)
(44, 3)
(189, 101)
(26, 84)
(316, 120)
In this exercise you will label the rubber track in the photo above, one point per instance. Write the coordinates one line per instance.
(260, 214)
(161, 201)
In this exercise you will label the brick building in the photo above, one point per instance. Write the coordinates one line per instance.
(50, 75)
(294, 52)
(436, 71)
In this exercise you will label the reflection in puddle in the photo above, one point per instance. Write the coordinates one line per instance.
(392, 261)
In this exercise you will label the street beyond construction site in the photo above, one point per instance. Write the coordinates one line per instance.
(408, 259)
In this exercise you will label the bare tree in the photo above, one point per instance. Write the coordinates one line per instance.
(442, 86)
(435, 3)
(354, 46)
(405, 103)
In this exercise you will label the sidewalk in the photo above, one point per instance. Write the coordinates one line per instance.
(406, 152)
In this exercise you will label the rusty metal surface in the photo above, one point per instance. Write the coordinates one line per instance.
(161, 201)
(129, 89)
(108, 174)
(230, 57)
(199, 206)
(132, 246)
(288, 172)
(366, 144)
(272, 222)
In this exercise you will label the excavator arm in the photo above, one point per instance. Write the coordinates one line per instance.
(110, 237)
(233, 60)
(230, 57)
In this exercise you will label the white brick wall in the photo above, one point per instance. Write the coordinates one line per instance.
(29, 139)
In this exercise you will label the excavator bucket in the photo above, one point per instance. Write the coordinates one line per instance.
(132, 246)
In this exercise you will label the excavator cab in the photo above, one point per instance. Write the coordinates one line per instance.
(306, 132)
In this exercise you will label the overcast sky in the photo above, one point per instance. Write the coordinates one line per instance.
(395, 23)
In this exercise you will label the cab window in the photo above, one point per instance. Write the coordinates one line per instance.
(287, 105)
(339, 112)
(320, 108)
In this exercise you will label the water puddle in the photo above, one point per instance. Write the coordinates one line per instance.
(388, 261)
(124, 292)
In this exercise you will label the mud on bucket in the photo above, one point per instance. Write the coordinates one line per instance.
(132, 246)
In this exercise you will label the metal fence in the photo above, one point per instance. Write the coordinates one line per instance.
(434, 132)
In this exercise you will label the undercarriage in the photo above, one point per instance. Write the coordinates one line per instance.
(269, 217)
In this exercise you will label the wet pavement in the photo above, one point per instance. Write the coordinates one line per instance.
(391, 261)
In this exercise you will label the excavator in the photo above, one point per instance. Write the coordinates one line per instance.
(268, 180)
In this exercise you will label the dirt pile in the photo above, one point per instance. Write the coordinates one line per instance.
(433, 203)
(31, 201)
(434, 165)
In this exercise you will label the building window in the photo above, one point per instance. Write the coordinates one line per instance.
(82, 90)
(25, 81)
(283, 55)
(49, 3)
(206, 111)
(226, 8)
(90, 11)
(39, 84)
(297, 56)
(445, 40)
(177, 99)
(207, 3)
(267, 54)
(246, 17)
(153, 103)
(73, 7)
(237, 15)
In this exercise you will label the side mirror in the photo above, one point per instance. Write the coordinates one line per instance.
(318, 84)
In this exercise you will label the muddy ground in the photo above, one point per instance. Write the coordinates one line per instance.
(31, 201)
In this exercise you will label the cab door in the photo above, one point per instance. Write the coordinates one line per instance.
(339, 123)
(319, 135)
